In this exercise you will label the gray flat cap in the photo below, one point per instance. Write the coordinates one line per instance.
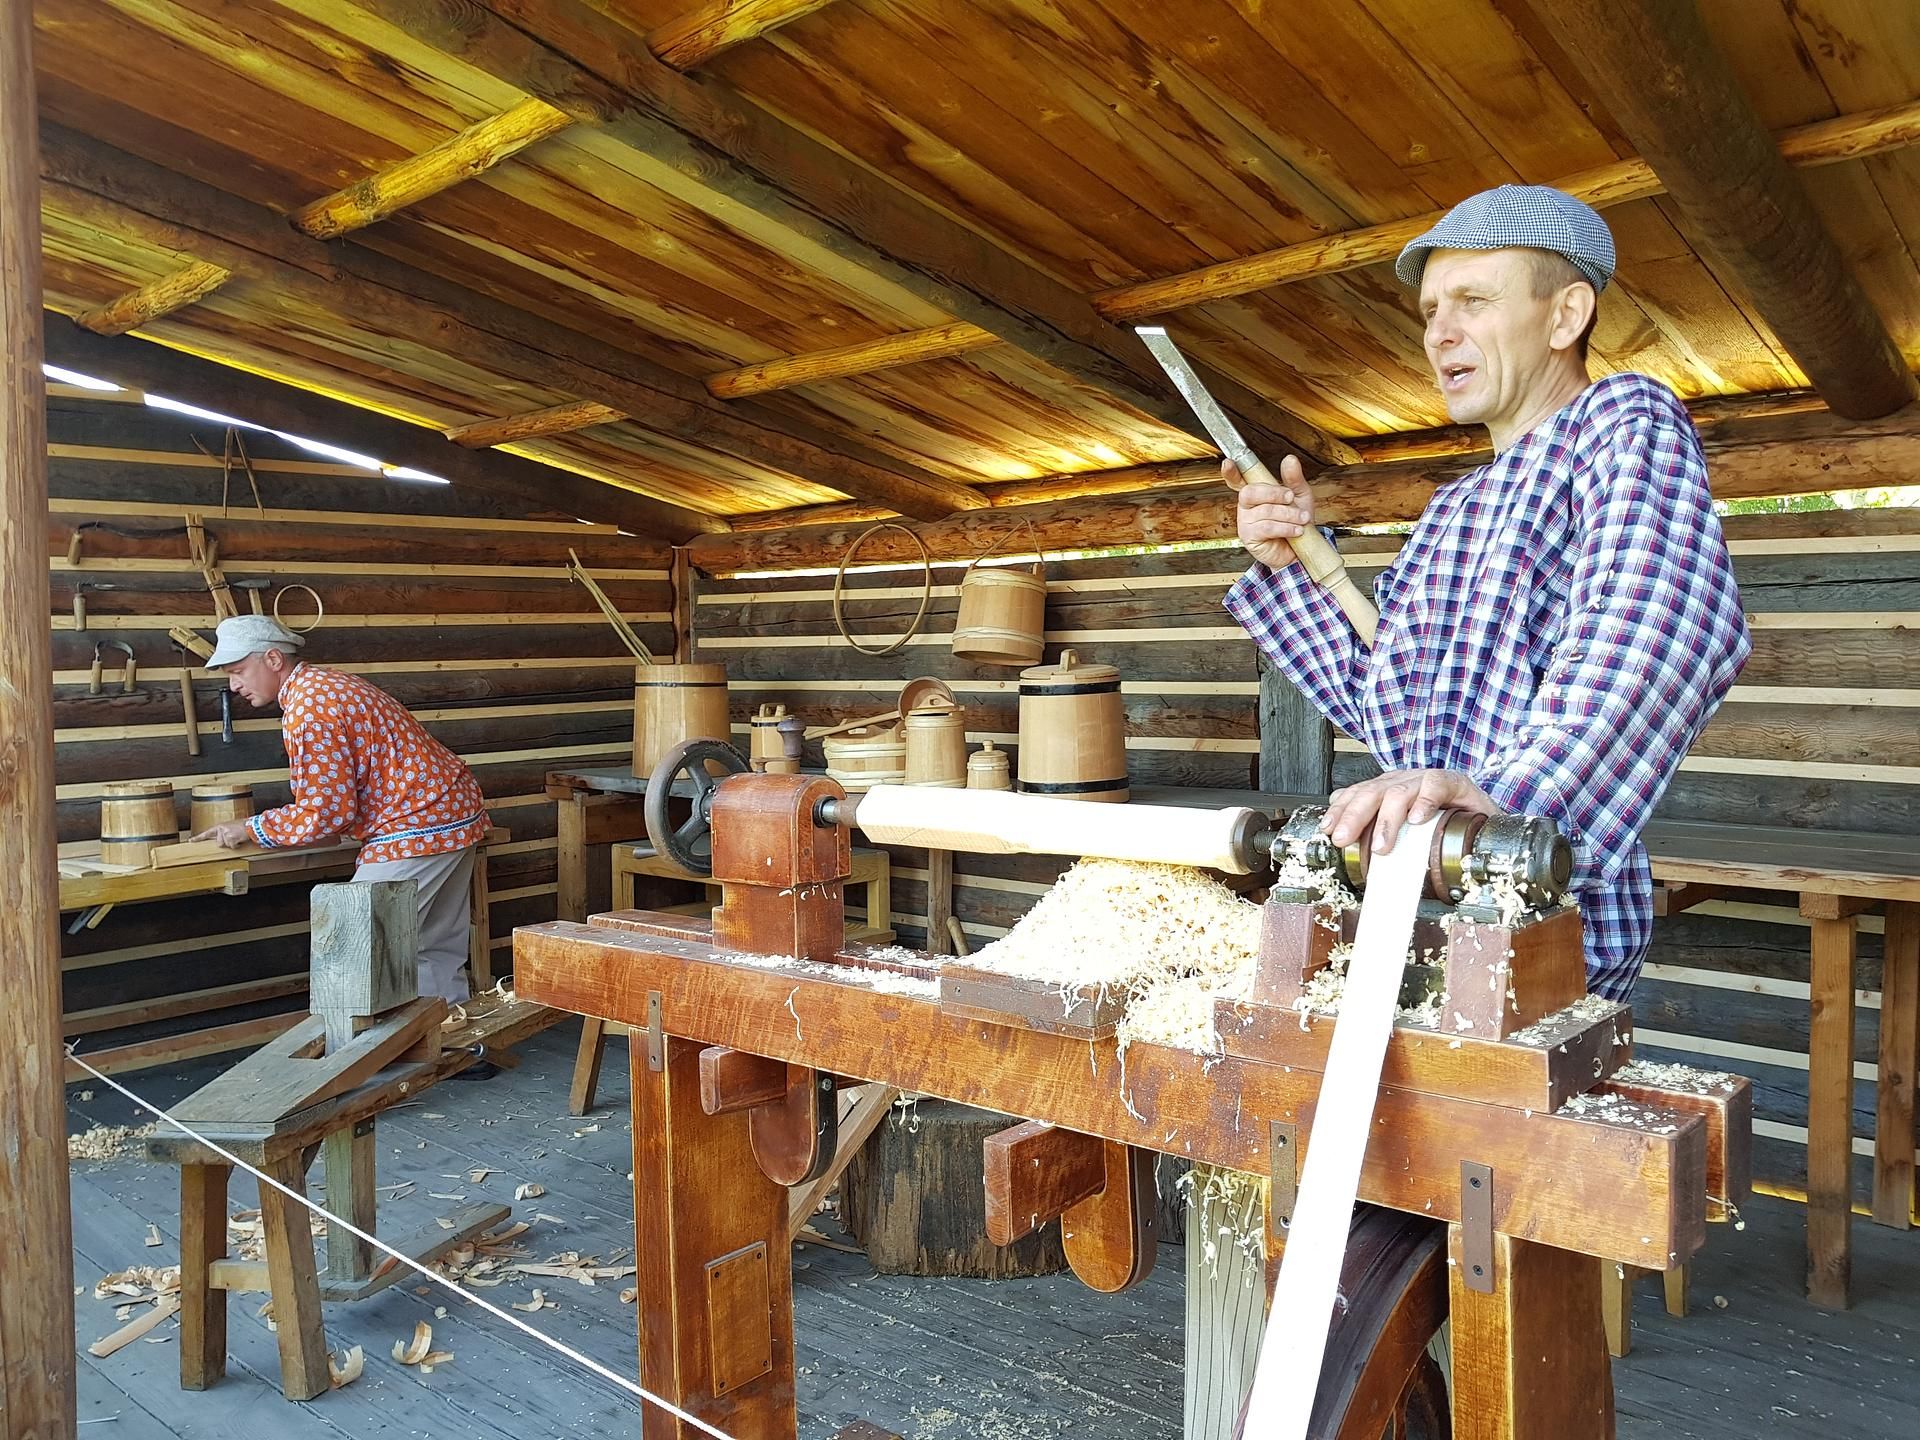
(239, 636)
(1536, 216)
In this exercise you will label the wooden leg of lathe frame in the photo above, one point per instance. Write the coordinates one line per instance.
(715, 1266)
(1830, 1115)
(295, 1283)
(1529, 1358)
(203, 1240)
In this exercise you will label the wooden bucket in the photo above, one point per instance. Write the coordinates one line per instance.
(937, 745)
(1073, 731)
(212, 804)
(135, 817)
(987, 769)
(672, 703)
(866, 756)
(1002, 619)
(763, 734)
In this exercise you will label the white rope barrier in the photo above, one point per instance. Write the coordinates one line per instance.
(631, 1386)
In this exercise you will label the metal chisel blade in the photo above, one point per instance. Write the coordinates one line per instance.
(1205, 408)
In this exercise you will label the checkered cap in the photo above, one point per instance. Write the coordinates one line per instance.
(1536, 216)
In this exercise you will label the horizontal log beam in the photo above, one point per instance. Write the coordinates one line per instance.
(939, 342)
(140, 365)
(718, 151)
(473, 151)
(173, 291)
(1787, 455)
(1655, 68)
(713, 28)
(532, 424)
(118, 193)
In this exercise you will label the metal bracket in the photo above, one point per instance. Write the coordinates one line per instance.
(1476, 1226)
(656, 1034)
(1283, 1164)
(363, 1127)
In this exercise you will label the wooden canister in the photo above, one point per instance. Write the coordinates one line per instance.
(213, 803)
(1002, 618)
(135, 817)
(1073, 731)
(987, 769)
(672, 703)
(866, 756)
(763, 735)
(937, 745)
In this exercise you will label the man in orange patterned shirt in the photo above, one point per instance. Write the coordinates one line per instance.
(362, 768)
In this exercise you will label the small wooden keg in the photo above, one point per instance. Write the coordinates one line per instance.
(1073, 731)
(1002, 617)
(763, 735)
(937, 745)
(135, 817)
(987, 769)
(212, 804)
(865, 756)
(672, 703)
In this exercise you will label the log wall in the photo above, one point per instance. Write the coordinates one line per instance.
(458, 605)
(1821, 732)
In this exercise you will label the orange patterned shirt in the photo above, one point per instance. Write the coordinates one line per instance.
(362, 767)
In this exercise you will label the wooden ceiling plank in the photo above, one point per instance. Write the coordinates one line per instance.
(1782, 455)
(173, 211)
(171, 292)
(141, 365)
(554, 420)
(1658, 73)
(749, 162)
(1825, 142)
(472, 152)
(715, 27)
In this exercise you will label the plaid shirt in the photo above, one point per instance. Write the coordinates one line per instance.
(1560, 626)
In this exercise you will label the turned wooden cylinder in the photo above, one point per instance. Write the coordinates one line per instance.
(915, 1198)
(987, 769)
(937, 745)
(763, 735)
(135, 817)
(865, 756)
(1073, 731)
(211, 804)
(672, 703)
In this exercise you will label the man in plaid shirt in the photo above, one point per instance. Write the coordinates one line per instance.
(1563, 620)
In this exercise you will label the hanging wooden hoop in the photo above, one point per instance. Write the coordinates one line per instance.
(926, 587)
(1039, 554)
(319, 607)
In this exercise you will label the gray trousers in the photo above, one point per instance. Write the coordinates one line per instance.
(444, 883)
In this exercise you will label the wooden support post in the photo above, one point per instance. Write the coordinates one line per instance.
(348, 1155)
(294, 1282)
(1616, 1306)
(480, 925)
(1673, 1285)
(1530, 1356)
(570, 903)
(939, 899)
(365, 953)
(36, 1302)
(715, 1281)
(1226, 1313)
(1830, 1114)
(1296, 742)
(203, 1240)
(1894, 1198)
(682, 575)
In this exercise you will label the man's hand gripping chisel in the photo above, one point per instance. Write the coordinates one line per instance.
(1323, 563)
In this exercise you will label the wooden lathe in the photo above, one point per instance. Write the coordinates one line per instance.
(1512, 1151)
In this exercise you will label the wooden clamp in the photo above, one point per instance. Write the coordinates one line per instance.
(793, 1120)
(1101, 1191)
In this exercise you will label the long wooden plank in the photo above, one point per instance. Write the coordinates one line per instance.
(1894, 1195)
(1830, 1117)
(241, 1035)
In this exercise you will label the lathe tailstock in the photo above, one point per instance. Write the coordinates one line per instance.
(1512, 1137)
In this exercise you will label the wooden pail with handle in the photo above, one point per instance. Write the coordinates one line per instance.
(1003, 610)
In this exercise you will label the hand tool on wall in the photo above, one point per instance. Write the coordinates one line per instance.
(1316, 552)
(226, 716)
(188, 717)
(614, 618)
(254, 589)
(98, 674)
(205, 551)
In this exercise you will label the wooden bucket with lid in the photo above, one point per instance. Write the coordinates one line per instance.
(987, 769)
(1073, 731)
(1002, 617)
(211, 804)
(865, 756)
(937, 745)
(136, 816)
(672, 703)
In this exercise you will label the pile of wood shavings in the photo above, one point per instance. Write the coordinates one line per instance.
(106, 1142)
(886, 982)
(1231, 1213)
(1169, 938)
(1617, 1110)
(1549, 1028)
(1686, 1078)
(1322, 993)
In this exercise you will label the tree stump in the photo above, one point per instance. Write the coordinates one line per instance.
(915, 1197)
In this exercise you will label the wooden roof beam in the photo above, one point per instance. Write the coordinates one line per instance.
(713, 148)
(143, 365)
(173, 291)
(119, 193)
(939, 342)
(532, 424)
(473, 151)
(713, 28)
(1655, 68)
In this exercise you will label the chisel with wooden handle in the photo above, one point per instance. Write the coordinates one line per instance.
(1323, 563)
